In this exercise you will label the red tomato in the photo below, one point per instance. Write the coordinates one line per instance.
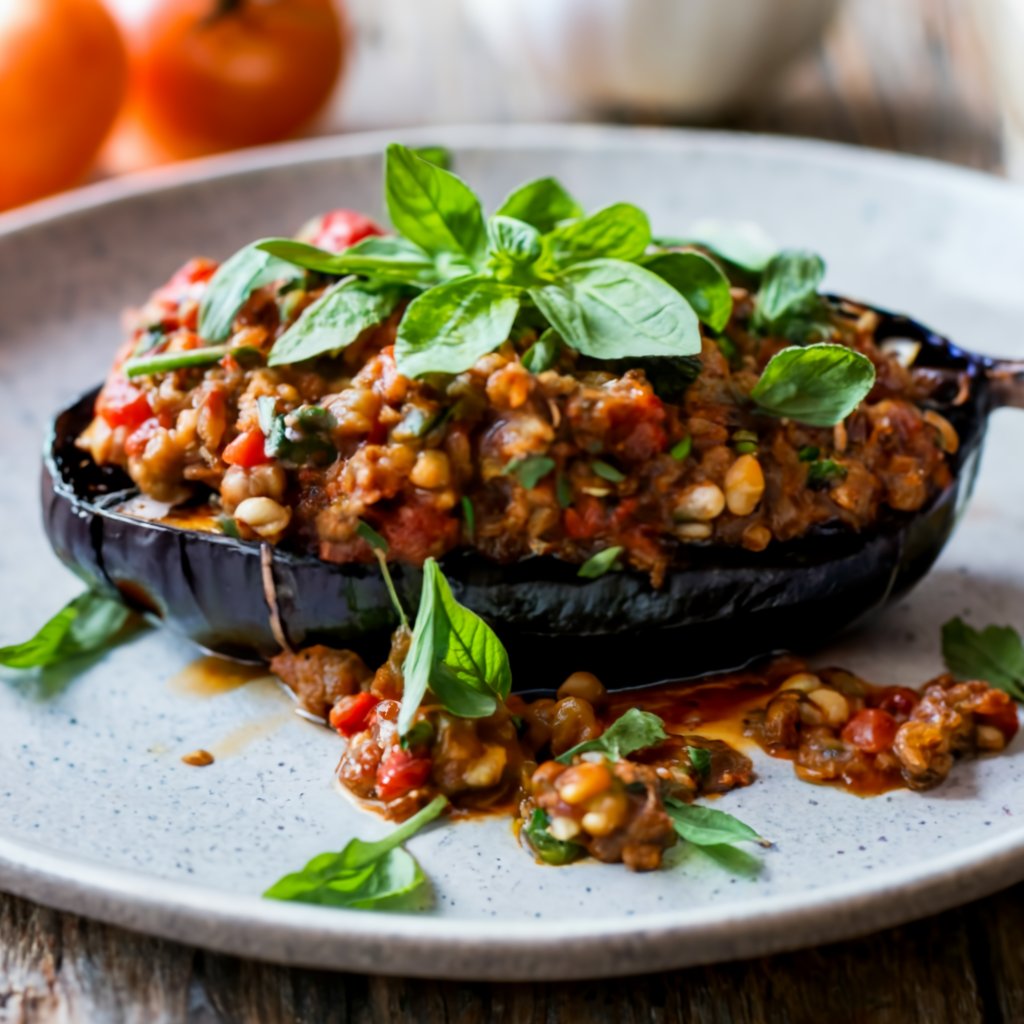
(246, 450)
(122, 404)
(137, 441)
(399, 772)
(871, 730)
(351, 714)
(338, 229)
(899, 700)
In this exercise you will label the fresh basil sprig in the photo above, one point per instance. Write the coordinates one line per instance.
(994, 654)
(385, 259)
(84, 625)
(621, 231)
(819, 385)
(635, 730)
(787, 304)
(706, 826)
(334, 321)
(363, 876)
(232, 284)
(454, 653)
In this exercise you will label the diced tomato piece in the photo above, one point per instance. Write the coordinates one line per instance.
(417, 530)
(585, 519)
(352, 714)
(338, 229)
(122, 404)
(138, 439)
(899, 700)
(871, 730)
(246, 450)
(399, 772)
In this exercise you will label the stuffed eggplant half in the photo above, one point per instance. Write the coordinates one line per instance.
(651, 458)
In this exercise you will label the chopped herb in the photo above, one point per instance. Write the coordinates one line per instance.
(530, 470)
(808, 453)
(149, 339)
(635, 730)
(700, 759)
(545, 845)
(468, 516)
(994, 654)
(228, 526)
(597, 565)
(607, 472)
(363, 876)
(824, 473)
(84, 625)
(563, 490)
(681, 449)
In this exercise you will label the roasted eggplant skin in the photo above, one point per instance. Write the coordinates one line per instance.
(718, 611)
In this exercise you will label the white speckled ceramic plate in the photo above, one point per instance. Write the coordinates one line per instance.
(99, 815)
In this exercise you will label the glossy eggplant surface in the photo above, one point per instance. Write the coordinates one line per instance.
(717, 610)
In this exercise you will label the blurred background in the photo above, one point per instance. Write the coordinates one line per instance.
(91, 89)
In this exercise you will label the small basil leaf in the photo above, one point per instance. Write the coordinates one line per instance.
(994, 654)
(450, 635)
(437, 155)
(232, 284)
(459, 699)
(621, 231)
(531, 469)
(516, 240)
(544, 203)
(607, 471)
(681, 449)
(334, 321)
(432, 207)
(808, 453)
(732, 859)
(706, 826)
(543, 353)
(371, 536)
(610, 309)
(787, 303)
(597, 565)
(448, 328)
(744, 244)
(700, 759)
(386, 258)
(545, 845)
(86, 624)
(699, 281)
(363, 875)
(635, 730)
(819, 385)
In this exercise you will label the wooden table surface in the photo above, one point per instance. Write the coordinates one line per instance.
(904, 75)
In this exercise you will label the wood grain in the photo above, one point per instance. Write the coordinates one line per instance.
(902, 75)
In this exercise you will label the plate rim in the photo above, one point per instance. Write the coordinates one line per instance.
(481, 949)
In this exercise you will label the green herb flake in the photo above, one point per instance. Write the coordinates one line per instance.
(420, 735)
(597, 565)
(84, 625)
(681, 449)
(530, 470)
(635, 730)
(808, 453)
(819, 385)
(745, 448)
(468, 516)
(545, 845)
(824, 473)
(228, 525)
(364, 875)
(607, 471)
(994, 654)
(700, 759)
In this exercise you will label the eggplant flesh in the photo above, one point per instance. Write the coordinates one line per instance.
(718, 611)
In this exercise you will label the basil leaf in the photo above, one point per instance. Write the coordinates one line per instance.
(700, 759)
(621, 231)
(732, 859)
(787, 303)
(85, 624)
(543, 203)
(384, 257)
(819, 385)
(545, 845)
(705, 826)
(597, 565)
(995, 654)
(448, 328)
(455, 649)
(543, 353)
(232, 284)
(436, 155)
(530, 470)
(371, 536)
(432, 207)
(699, 281)
(167, 362)
(334, 321)
(364, 874)
(514, 239)
(635, 730)
(607, 471)
(744, 244)
(610, 309)
(681, 449)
